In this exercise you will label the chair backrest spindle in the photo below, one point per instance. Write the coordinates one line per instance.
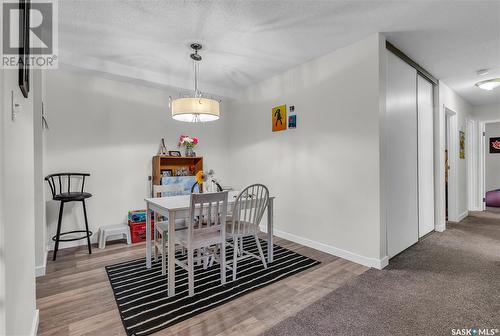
(207, 213)
(60, 184)
(64, 180)
(249, 208)
(83, 183)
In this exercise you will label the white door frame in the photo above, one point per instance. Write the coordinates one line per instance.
(471, 156)
(452, 138)
(482, 161)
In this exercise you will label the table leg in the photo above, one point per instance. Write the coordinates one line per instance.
(171, 253)
(270, 209)
(148, 236)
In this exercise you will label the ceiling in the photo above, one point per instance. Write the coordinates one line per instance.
(248, 41)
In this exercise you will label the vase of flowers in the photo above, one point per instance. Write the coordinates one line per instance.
(189, 143)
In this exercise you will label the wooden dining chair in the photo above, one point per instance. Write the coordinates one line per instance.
(247, 212)
(161, 227)
(205, 229)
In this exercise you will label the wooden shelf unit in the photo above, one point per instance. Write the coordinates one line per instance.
(161, 162)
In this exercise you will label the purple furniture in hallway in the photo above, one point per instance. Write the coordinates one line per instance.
(493, 198)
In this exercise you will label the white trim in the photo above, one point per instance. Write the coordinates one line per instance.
(34, 325)
(471, 158)
(439, 159)
(440, 228)
(463, 216)
(40, 270)
(357, 258)
(452, 134)
(482, 163)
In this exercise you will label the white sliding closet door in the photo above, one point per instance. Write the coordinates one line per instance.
(400, 156)
(425, 157)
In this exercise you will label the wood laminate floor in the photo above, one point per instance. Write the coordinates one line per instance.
(75, 297)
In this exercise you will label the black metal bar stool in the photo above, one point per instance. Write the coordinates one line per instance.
(60, 186)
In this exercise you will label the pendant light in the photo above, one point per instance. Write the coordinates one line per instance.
(195, 107)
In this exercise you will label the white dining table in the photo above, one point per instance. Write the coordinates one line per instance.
(178, 207)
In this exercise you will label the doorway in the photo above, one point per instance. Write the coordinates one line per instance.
(489, 166)
(451, 163)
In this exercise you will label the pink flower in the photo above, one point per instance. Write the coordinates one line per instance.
(188, 141)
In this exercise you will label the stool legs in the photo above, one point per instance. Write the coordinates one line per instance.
(86, 226)
(56, 247)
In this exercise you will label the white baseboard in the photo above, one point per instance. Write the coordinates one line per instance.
(357, 258)
(40, 270)
(440, 228)
(34, 325)
(383, 262)
(463, 216)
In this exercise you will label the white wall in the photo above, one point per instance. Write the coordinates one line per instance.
(326, 173)
(112, 129)
(18, 315)
(2, 220)
(39, 149)
(448, 99)
(486, 112)
(17, 216)
(491, 161)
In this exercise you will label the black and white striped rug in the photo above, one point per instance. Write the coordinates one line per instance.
(141, 294)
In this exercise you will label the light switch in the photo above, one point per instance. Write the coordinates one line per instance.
(16, 106)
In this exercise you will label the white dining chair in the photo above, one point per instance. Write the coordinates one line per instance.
(247, 212)
(161, 227)
(205, 229)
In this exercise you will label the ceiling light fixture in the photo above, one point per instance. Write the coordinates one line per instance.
(489, 84)
(195, 107)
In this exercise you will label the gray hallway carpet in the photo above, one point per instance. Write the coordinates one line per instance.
(449, 280)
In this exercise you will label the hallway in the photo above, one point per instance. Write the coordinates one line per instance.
(448, 281)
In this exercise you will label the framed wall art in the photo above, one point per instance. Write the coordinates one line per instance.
(462, 144)
(279, 118)
(495, 145)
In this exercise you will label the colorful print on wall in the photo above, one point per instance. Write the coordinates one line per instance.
(292, 121)
(495, 145)
(462, 144)
(279, 118)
